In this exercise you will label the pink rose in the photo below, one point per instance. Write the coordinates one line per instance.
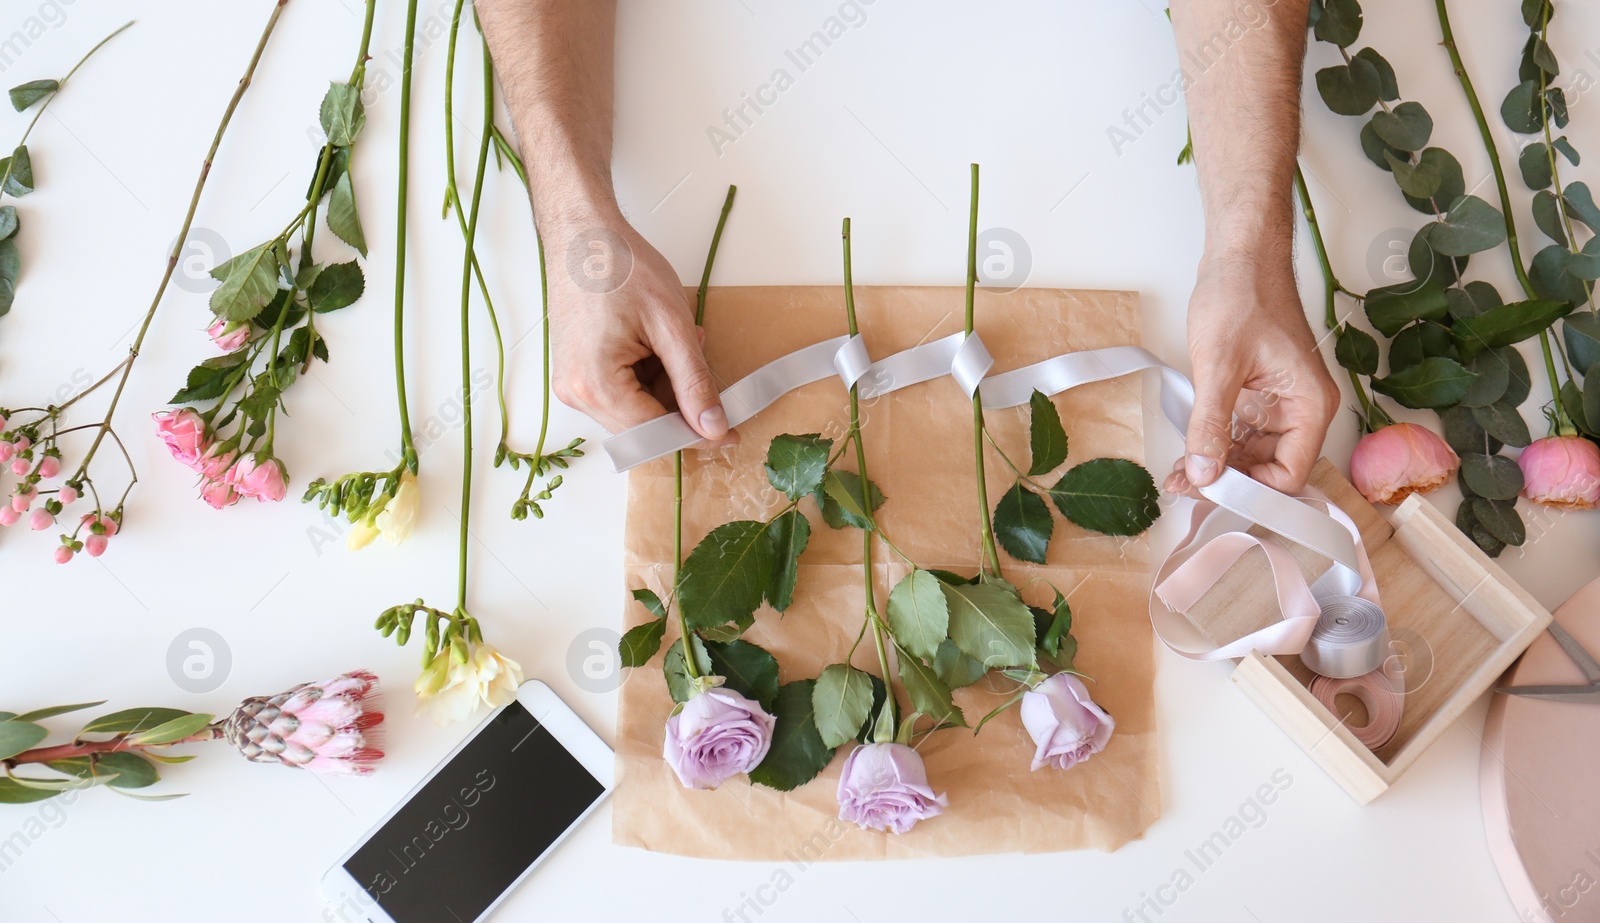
(885, 787)
(217, 460)
(219, 494)
(228, 340)
(718, 734)
(1064, 722)
(1562, 471)
(184, 433)
(1400, 459)
(258, 475)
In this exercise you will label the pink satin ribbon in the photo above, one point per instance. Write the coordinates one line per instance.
(1379, 692)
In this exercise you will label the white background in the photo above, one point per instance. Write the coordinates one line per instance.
(881, 128)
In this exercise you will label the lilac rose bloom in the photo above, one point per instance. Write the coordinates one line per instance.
(885, 787)
(717, 735)
(1065, 723)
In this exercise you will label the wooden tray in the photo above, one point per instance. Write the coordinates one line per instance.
(1456, 622)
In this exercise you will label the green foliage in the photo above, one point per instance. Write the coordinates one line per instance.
(749, 669)
(1434, 382)
(673, 666)
(990, 624)
(789, 533)
(1022, 524)
(641, 642)
(1109, 495)
(919, 615)
(929, 694)
(1471, 225)
(798, 754)
(1390, 308)
(26, 94)
(1356, 350)
(1508, 324)
(1047, 438)
(843, 502)
(841, 703)
(795, 464)
(727, 574)
(337, 286)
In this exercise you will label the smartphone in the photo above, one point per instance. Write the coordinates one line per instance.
(480, 822)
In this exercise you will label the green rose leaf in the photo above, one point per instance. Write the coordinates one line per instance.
(26, 94)
(1507, 324)
(1547, 215)
(249, 283)
(1108, 495)
(1407, 126)
(1534, 162)
(919, 615)
(1433, 382)
(343, 218)
(648, 598)
(1056, 626)
(1491, 476)
(1340, 22)
(841, 703)
(18, 172)
(1390, 308)
(990, 624)
(788, 534)
(1023, 524)
(342, 114)
(10, 268)
(842, 503)
(796, 464)
(1047, 439)
(172, 731)
(641, 642)
(337, 286)
(1580, 204)
(928, 692)
(1349, 89)
(678, 682)
(749, 669)
(1356, 350)
(1582, 333)
(208, 380)
(1520, 110)
(798, 754)
(17, 736)
(956, 669)
(726, 575)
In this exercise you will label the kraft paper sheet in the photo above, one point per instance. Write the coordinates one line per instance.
(920, 452)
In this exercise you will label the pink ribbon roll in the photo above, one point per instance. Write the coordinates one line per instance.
(1378, 694)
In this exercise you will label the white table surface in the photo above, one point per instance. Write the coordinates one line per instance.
(880, 127)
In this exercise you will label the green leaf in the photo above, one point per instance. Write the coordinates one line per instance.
(40, 714)
(1388, 88)
(1433, 382)
(1057, 627)
(10, 268)
(1451, 182)
(1534, 162)
(337, 286)
(17, 736)
(131, 720)
(1493, 476)
(18, 171)
(342, 114)
(1499, 518)
(26, 94)
(1547, 216)
(344, 220)
(1502, 421)
(956, 669)
(1356, 350)
(1349, 89)
(798, 754)
(1463, 433)
(8, 221)
(1520, 109)
(1417, 180)
(1493, 379)
(249, 283)
(1407, 127)
(131, 769)
(1108, 495)
(1535, 13)
(1571, 397)
(928, 692)
(1567, 150)
(1427, 263)
(726, 576)
(1376, 148)
(841, 500)
(749, 669)
(1419, 341)
(172, 731)
(991, 625)
(1471, 225)
(1556, 103)
(1023, 524)
(841, 703)
(1340, 22)
(1552, 278)
(919, 615)
(677, 675)
(648, 598)
(1591, 396)
(788, 534)
(796, 464)
(1580, 204)
(1047, 439)
(14, 792)
(1392, 307)
(1585, 264)
(208, 380)
(641, 642)
(1507, 324)
(1582, 333)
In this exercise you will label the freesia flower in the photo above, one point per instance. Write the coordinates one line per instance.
(399, 515)
(449, 691)
(885, 787)
(1401, 459)
(360, 535)
(1064, 722)
(1562, 471)
(258, 475)
(228, 340)
(717, 735)
(184, 433)
(324, 727)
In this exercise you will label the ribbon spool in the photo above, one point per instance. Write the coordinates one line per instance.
(1351, 638)
(1378, 692)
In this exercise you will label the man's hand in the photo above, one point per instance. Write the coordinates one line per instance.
(626, 347)
(1263, 395)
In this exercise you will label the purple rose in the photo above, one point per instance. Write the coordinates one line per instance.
(717, 735)
(885, 787)
(1065, 723)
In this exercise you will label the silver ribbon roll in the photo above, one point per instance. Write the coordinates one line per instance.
(1351, 638)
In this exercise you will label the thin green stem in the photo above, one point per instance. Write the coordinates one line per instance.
(711, 256)
(408, 449)
(49, 98)
(991, 554)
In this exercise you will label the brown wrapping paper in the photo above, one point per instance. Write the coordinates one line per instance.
(920, 452)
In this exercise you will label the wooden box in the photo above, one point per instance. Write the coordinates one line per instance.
(1455, 619)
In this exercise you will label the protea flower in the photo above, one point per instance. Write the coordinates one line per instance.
(324, 727)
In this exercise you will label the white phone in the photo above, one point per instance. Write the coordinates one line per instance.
(480, 822)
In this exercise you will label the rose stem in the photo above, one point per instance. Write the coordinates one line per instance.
(1560, 422)
(408, 450)
(991, 563)
(63, 81)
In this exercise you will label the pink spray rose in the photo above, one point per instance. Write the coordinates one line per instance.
(219, 494)
(228, 340)
(217, 460)
(717, 735)
(1400, 459)
(258, 475)
(1562, 471)
(184, 433)
(1064, 722)
(885, 787)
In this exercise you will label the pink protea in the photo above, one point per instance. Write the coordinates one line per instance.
(228, 340)
(325, 727)
(1399, 460)
(258, 475)
(1562, 471)
(184, 433)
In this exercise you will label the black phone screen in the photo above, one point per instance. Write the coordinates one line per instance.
(477, 825)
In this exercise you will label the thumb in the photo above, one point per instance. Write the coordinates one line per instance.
(693, 386)
(1210, 429)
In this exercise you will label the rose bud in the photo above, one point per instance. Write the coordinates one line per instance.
(717, 735)
(184, 434)
(885, 787)
(228, 340)
(258, 475)
(219, 494)
(1562, 471)
(1064, 722)
(217, 460)
(1400, 459)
